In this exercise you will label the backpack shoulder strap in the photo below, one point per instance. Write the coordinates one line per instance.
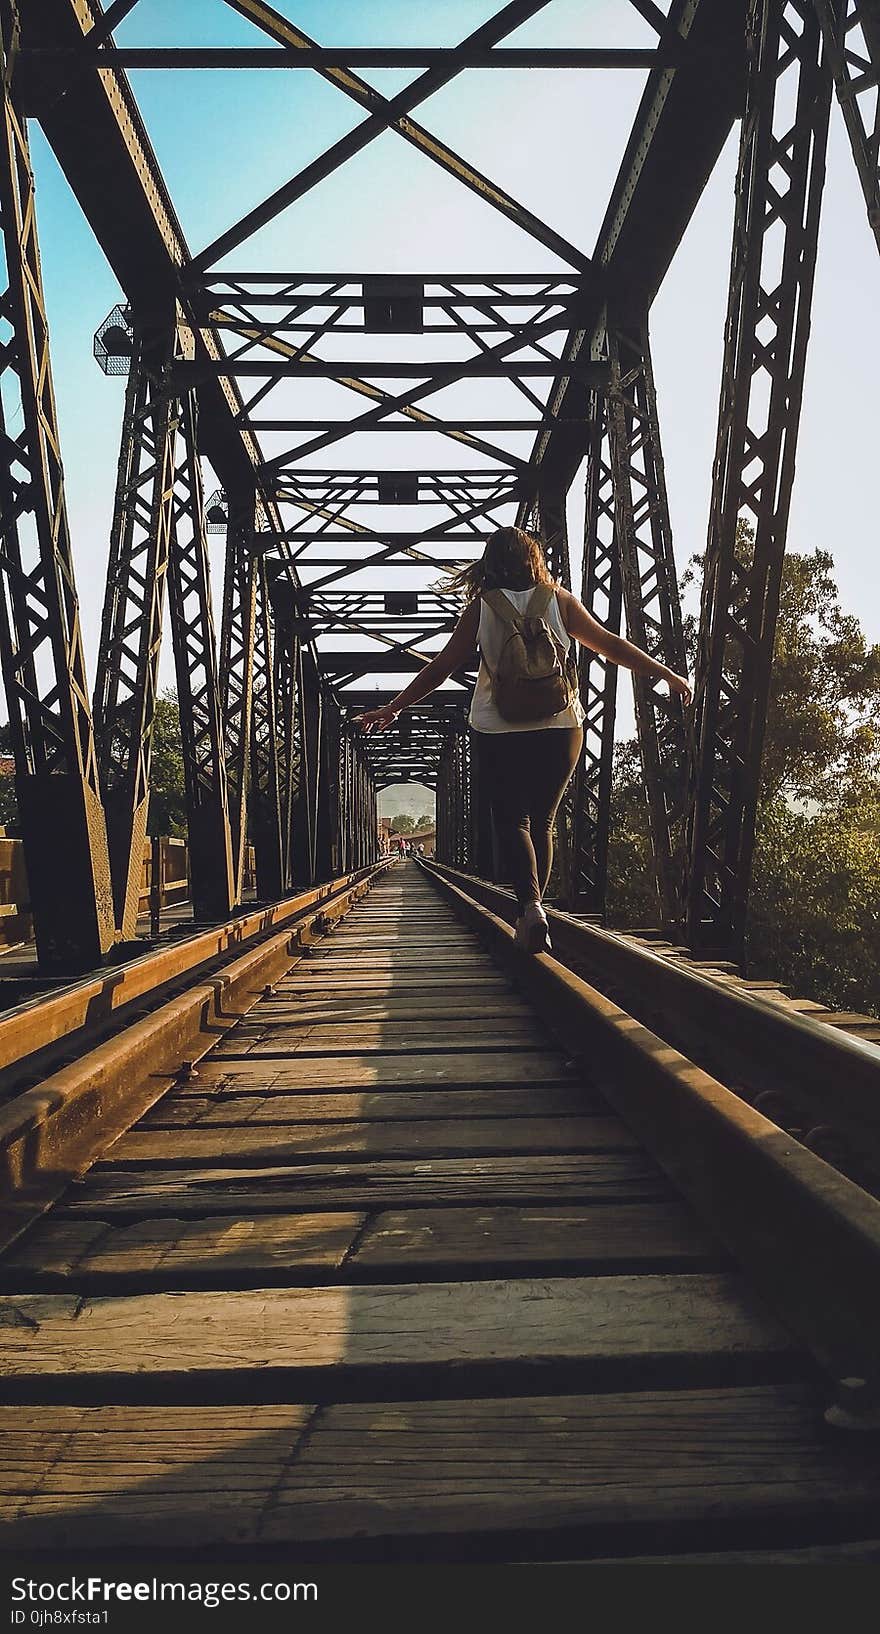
(505, 609)
(540, 600)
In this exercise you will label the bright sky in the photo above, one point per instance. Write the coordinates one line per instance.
(553, 140)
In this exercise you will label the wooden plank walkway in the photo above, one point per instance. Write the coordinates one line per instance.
(389, 1279)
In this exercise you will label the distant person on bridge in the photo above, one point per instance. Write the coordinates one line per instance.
(525, 713)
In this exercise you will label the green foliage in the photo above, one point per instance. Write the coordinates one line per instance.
(814, 907)
(632, 898)
(167, 813)
(8, 801)
(814, 918)
(402, 824)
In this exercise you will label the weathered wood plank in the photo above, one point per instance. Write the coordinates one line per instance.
(334, 1012)
(87, 1250)
(383, 1183)
(352, 1071)
(422, 1239)
(677, 1464)
(271, 1029)
(571, 1319)
(368, 1139)
(231, 1103)
(237, 1251)
(309, 979)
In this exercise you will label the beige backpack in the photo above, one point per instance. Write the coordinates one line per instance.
(535, 676)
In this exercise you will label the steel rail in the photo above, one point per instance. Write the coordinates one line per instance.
(829, 1079)
(807, 1237)
(54, 1129)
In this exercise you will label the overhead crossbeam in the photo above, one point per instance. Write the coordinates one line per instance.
(392, 114)
(322, 56)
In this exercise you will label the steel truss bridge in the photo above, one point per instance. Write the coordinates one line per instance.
(340, 1228)
(310, 629)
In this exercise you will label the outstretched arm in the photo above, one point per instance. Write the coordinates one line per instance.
(459, 651)
(590, 633)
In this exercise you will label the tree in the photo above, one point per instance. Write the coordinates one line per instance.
(814, 907)
(402, 824)
(8, 800)
(167, 813)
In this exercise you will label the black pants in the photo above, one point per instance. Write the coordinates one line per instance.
(525, 775)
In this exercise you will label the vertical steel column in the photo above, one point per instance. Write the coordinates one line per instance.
(553, 529)
(212, 879)
(651, 601)
(357, 807)
(286, 656)
(56, 771)
(361, 783)
(305, 805)
(778, 198)
(237, 668)
(462, 804)
(851, 30)
(327, 830)
(347, 807)
(265, 802)
(370, 819)
(602, 595)
(482, 828)
(131, 627)
(445, 778)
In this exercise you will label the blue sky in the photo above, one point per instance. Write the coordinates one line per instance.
(554, 141)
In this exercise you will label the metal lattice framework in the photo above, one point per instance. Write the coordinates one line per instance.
(779, 189)
(40, 638)
(332, 589)
(134, 605)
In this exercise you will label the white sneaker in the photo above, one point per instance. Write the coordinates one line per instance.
(532, 930)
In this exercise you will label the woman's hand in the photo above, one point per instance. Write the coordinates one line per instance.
(376, 720)
(681, 684)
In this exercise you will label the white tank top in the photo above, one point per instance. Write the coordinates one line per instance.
(484, 716)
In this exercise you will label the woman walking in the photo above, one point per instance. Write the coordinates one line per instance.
(525, 713)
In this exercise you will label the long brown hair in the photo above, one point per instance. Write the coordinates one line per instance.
(512, 560)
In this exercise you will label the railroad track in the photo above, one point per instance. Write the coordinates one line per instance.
(437, 1252)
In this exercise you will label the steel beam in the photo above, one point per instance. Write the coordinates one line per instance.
(602, 595)
(684, 118)
(286, 664)
(393, 114)
(265, 794)
(304, 826)
(851, 30)
(327, 840)
(237, 669)
(651, 601)
(56, 770)
(212, 877)
(319, 56)
(778, 198)
(134, 604)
